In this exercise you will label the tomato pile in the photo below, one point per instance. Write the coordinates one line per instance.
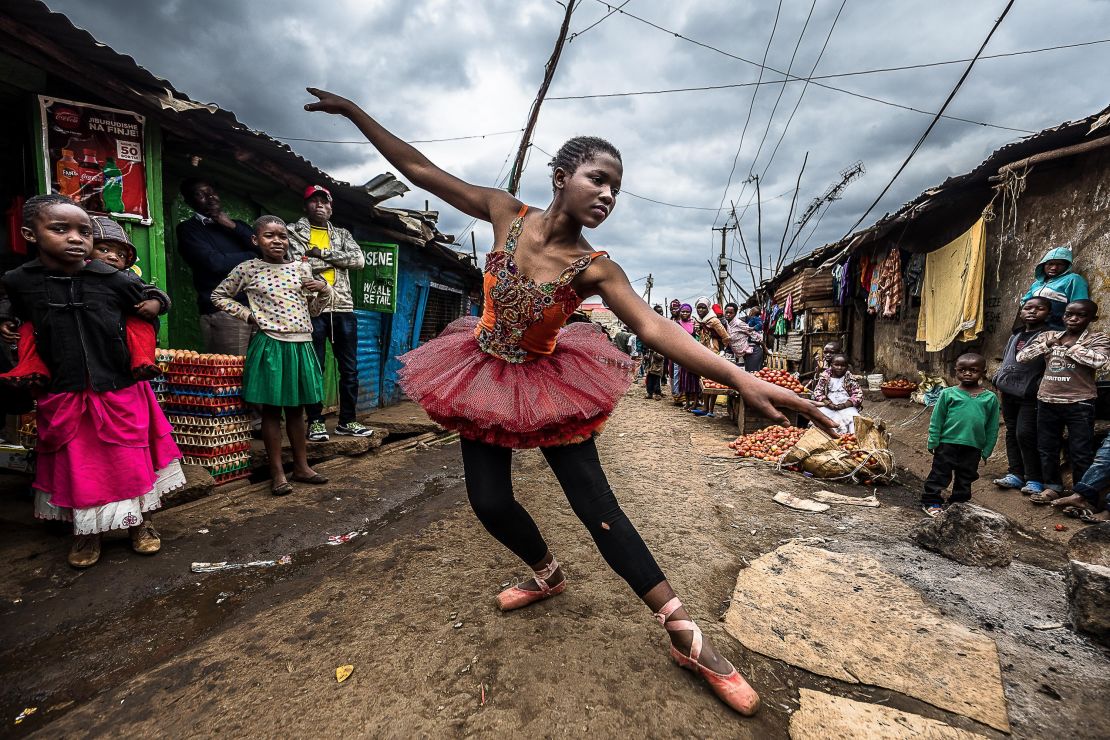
(781, 378)
(768, 444)
(850, 444)
(900, 384)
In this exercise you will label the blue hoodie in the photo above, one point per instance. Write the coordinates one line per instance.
(1060, 290)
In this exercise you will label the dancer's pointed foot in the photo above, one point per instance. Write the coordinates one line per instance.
(697, 655)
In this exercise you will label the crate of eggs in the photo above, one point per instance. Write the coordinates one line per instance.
(201, 385)
(203, 400)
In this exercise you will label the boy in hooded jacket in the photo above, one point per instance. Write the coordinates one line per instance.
(1058, 283)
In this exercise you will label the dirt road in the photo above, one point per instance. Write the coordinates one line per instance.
(137, 648)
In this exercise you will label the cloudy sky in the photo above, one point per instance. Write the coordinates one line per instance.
(431, 69)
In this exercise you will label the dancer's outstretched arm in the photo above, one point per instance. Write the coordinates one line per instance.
(474, 200)
(608, 280)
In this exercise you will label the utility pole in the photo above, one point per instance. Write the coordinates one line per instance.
(474, 248)
(759, 225)
(722, 265)
(548, 73)
(650, 283)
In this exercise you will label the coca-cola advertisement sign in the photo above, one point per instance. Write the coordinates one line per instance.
(94, 155)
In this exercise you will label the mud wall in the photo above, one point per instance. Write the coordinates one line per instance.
(1065, 203)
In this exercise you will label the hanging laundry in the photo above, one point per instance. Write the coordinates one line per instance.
(844, 293)
(952, 291)
(866, 264)
(915, 271)
(788, 312)
(890, 284)
(873, 290)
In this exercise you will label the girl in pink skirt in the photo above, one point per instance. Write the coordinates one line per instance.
(104, 456)
(519, 376)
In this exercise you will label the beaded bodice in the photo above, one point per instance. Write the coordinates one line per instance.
(522, 317)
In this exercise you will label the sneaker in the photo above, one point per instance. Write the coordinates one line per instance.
(1032, 487)
(317, 432)
(1009, 481)
(697, 412)
(85, 550)
(932, 510)
(353, 429)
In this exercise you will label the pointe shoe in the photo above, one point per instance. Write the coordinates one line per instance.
(515, 597)
(731, 688)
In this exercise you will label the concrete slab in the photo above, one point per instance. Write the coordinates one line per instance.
(845, 617)
(823, 716)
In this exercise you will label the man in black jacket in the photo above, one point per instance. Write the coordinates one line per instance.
(212, 243)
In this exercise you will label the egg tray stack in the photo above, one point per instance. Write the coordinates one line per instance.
(202, 396)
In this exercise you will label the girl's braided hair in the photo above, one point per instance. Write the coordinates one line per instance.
(579, 150)
(36, 204)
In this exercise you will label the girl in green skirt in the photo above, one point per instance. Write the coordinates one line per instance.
(281, 373)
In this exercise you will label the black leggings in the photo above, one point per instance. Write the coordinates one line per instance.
(489, 486)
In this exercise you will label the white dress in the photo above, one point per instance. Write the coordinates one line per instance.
(845, 418)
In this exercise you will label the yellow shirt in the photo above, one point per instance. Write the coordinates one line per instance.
(321, 241)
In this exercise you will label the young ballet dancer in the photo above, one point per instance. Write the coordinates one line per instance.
(518, 377)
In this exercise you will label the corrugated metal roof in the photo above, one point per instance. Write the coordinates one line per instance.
(53, 35)
(973, 186)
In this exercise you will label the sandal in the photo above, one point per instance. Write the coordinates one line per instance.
(282, 489)
(1088, 516)
(516, 597)
(1077, 512)
(730, 688)
(1047, 496)
(315, 479)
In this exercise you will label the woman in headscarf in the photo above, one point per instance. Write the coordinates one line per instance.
(711, 334)
(689, 384)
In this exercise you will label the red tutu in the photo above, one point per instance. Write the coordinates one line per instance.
(554, 399)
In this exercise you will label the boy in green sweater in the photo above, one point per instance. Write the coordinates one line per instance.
(963, 429)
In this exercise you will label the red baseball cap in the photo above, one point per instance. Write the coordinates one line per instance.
(312, 190)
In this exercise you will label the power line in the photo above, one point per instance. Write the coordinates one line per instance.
(774, 109)
(641, 197)
(936, 118)
(830, 76)
(751, 106)
(794, 77)
(576, 34)
(805, 87)
(411, 141)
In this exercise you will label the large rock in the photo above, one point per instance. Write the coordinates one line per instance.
(968, 534)
(1091, 545)
(1089, 599)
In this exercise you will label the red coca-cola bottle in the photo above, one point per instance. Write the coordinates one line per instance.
(91, 177)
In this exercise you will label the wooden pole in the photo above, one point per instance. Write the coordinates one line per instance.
(474, 248)
(548, 73)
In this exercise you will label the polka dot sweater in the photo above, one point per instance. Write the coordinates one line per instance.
(278, 303)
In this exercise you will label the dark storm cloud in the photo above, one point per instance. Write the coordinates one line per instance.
(431, 68)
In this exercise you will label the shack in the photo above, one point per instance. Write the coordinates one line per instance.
(79, 109)
(992, 224)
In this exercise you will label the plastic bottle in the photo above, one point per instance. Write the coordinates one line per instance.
(67, 177)
(92, 181)
(113, 186)
(305, 269)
